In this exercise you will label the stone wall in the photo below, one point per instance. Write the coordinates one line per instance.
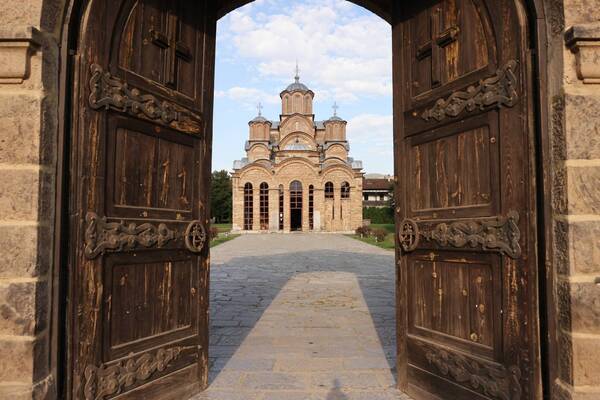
(574, 97)
(29, 33)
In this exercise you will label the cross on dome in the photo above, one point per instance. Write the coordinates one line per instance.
(260, 108)
(335, 109)
(297, 77)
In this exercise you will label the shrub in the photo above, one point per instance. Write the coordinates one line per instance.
(379, 234)
(383, 215)
(213, 233)
(363, 231)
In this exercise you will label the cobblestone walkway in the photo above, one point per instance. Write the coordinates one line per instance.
(302, 317)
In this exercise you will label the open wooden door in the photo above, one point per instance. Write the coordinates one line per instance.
(467, 272)
(139, 170)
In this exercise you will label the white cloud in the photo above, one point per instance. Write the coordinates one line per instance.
(372, 129)
(248, 96)
(342, 52)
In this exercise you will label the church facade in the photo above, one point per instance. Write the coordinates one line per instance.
(297, 175)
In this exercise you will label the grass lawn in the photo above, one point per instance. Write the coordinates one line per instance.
(222, 227)
(389, 242)
(222, 239)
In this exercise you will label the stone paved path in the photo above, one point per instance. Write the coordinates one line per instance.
(302, 317)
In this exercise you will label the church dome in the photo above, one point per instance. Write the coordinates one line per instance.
(297, 87)
(259, 118)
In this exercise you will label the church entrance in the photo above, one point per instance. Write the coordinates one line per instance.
(140, 164)
(296, 206)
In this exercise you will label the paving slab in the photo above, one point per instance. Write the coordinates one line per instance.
(302, 316)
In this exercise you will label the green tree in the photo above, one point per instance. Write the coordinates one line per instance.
(221, 198)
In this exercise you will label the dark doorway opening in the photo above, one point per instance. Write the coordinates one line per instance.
(296, 206)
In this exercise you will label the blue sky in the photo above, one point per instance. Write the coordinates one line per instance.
(344, 54)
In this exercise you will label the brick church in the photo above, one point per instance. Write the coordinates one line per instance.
(297, 175)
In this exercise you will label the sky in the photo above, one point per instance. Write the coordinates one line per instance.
(344, 54)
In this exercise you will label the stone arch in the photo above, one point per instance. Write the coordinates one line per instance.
(56, 22)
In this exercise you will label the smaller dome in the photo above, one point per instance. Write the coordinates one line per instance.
(335, 118)
(260, 118)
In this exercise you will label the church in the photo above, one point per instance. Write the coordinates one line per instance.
(297, 175)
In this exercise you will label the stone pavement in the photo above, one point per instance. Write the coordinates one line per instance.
(302, 317)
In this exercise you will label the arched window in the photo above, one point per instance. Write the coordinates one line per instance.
(329, 190)
(280, 207)
(345, 189)
(264, 206)
(248, 207)
(311, 207)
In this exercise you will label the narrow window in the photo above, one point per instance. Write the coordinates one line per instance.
(311, 207)
(329, 190)
(345, 189)
(280, 207)
(264, 206)
(248, 207)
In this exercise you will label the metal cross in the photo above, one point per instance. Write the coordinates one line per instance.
(335, 109)
(260, 108)
(297, 77)
(176, 50)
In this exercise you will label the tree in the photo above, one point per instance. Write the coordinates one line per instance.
(221, 198)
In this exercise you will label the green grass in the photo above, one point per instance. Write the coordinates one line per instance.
(391, 228)
(222, 239)
(222, 227)
(387, 244)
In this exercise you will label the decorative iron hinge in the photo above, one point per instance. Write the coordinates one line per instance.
(112, 93)
(494, 381)
(501, 234)
(106, 381)
(498, 90)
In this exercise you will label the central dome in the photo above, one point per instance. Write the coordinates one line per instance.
(297, 87)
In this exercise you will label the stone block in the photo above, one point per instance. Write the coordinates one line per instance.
(582, 126)
(583, 188)
(26, 251)
(581, 11)
(16, 48)
(585, 307)
(586, 353)
(584, 247)
(23, 360)
(23, 308)
(19, 194)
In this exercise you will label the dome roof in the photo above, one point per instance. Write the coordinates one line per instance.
(259, 118)
(297, 87)
(335, 118)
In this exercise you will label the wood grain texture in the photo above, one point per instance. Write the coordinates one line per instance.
(462, 164)
(138, 316)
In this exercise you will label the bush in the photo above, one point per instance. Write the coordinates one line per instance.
(213, 233)
(383, 215)
(363, 231)
(379, 234)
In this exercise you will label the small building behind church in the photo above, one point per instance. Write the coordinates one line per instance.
(297, 175)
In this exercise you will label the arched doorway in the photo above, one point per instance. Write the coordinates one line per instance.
(435, 355)
(296, 206)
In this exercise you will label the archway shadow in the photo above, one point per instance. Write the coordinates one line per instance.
(243, 288)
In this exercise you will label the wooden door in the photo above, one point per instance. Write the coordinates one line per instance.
(467, 291)
(140, 168)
